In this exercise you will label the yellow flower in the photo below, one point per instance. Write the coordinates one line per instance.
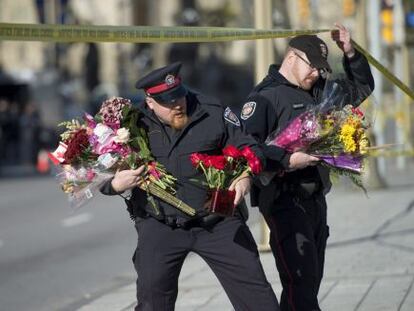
(347, 137)
(349, 144)
(68, 188)
(347, 130)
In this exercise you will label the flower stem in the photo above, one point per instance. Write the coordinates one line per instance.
(168, 198)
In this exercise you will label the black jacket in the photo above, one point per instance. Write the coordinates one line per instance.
(207, 132)
(277, 102)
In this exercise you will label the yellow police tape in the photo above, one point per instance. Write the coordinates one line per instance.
(138, 34)
(384, 70)
(154, 34)
(392, 153)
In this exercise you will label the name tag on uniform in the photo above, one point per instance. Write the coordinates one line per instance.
(298, 106)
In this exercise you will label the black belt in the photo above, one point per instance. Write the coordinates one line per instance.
(207, 221)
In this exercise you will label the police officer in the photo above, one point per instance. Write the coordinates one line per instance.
(293, 204)
(180, 122)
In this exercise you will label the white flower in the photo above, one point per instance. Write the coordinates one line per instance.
(103, 132)
(122, 136)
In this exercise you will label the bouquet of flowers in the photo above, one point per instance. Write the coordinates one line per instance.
(334, 131)
(91, 151)
(220, 171)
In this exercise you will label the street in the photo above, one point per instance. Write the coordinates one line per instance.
(51, 256)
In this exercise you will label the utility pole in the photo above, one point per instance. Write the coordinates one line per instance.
(50, 17)
(377, 165)
(264, 57)
(264, 47)
(401, 65)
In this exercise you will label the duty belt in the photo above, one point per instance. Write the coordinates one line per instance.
(207, 221)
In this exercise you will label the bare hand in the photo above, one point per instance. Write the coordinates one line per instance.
(242, 187)
(127, 179)
(342, 37)
(299, 160)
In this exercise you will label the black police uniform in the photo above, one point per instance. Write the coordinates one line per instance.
(166, 235)
(294, 204)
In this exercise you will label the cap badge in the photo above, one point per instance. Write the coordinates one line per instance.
(169, 80)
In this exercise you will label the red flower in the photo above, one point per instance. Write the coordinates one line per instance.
(248, 153)
(232, 152)
(76, 145)
(196, 158)
(253, 161)
(218, 162)
(255, 165)
(221, 170)
(358, 112)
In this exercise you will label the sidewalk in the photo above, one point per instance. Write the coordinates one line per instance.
(369, 260)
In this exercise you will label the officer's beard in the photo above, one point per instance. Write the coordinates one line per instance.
(179, 121)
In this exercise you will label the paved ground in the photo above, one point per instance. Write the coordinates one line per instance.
(369, 265)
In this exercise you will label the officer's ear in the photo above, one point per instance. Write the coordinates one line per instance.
(290, 56)
(150, 102)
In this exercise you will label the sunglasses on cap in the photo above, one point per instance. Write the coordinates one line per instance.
(322, 71)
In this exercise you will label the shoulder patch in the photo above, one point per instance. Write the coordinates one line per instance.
(248, 110)
(231, 117)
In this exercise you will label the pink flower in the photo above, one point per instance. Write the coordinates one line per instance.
(152, 169)
(90, 174)
(89, 120)
(111, 111)
(112, 147)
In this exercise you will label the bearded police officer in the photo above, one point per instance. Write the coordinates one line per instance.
(293, 204)
(181, 122)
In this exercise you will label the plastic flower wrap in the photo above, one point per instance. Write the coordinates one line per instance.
(334, 131)
(93, 149)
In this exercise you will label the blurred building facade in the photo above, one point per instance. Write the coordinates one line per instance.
(63, 80)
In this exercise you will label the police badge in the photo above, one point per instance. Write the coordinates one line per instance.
(231, 117)
(248, 110)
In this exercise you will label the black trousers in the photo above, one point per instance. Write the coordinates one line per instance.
(298, 235)
(228, 248)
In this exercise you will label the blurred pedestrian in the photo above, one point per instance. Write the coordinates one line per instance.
(30, 126)
(10, 131)
(4, 119)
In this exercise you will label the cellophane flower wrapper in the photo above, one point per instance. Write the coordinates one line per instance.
(81, 184)
(334, 131)
(93, 149)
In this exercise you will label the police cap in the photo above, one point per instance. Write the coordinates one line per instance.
(163, 84)
(315, 49)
